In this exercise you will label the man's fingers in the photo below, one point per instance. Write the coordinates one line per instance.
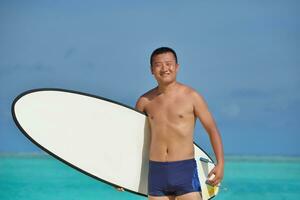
(211, 173)
(216, 181)
(120, 189)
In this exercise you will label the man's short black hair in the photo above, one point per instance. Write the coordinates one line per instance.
(161, 50)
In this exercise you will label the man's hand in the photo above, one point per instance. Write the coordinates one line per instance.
(218, 172)
(120, 189)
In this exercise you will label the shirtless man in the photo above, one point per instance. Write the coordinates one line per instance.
(172, 109)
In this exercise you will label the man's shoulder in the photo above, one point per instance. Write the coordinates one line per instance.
(144, 99)
(188, 90)
(148, 95)
(192, 94)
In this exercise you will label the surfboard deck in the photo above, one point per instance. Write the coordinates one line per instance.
(102, 138)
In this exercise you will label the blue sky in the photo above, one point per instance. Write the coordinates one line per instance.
(242, 56)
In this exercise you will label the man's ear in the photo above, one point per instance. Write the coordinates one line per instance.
(151, 69)
(177, 67)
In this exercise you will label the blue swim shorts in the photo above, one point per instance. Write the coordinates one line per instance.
(173, 178)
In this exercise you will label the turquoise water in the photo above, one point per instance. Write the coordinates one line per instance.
(42, 177)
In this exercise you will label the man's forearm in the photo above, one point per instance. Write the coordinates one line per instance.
(215, 139)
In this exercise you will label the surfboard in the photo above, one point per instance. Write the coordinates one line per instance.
(102, 138)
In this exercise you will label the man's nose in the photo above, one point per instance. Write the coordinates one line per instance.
(165, 67)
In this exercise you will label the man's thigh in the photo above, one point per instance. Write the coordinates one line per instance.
(161, 197)
(190, 196)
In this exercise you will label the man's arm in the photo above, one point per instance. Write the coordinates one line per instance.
(140, 104)
(206, 118)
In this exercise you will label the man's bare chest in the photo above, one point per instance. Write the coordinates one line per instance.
(172, 109)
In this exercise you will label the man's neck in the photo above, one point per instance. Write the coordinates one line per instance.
(166, 88)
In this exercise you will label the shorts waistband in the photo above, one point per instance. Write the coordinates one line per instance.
(172, 162)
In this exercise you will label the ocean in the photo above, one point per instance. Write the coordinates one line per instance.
(41, 177)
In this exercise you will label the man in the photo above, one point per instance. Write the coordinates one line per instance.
(172, 109)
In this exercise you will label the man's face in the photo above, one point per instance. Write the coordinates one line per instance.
(164, 68)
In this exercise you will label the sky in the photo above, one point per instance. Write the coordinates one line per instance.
(241, 56)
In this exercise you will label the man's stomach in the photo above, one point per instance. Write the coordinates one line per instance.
(171, 150)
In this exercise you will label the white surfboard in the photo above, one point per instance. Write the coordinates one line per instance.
(101, 138)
